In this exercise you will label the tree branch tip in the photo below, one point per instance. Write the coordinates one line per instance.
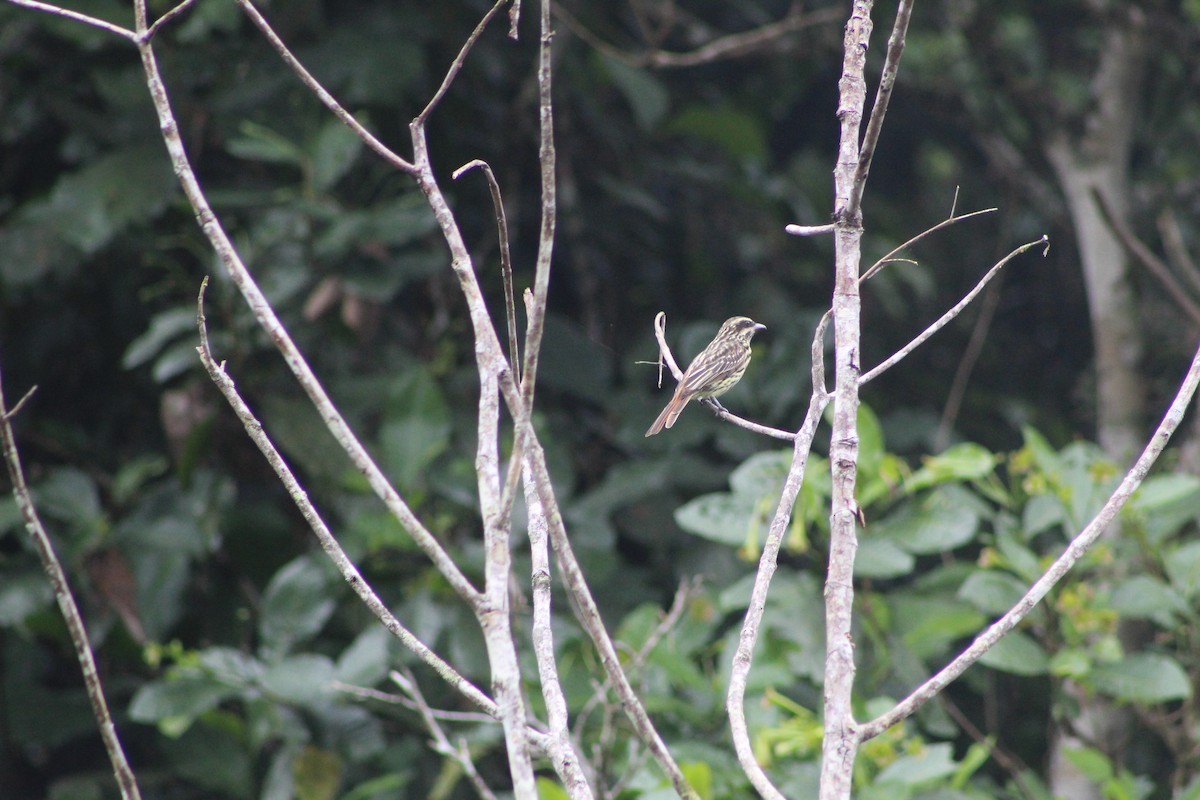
(16, 409)
(470, 165)
(808, 230)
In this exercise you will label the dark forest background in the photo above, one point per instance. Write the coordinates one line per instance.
(675, 184)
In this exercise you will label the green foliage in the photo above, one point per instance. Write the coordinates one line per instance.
(218, 625)
(959, 541)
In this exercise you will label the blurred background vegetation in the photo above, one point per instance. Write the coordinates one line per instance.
(219, 628)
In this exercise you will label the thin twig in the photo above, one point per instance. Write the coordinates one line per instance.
(506, 270)
(1075, 551)
(1177, 252)
(890, 255)
(944, 320)
(1151, 262)
(25, 398)
(557, 715)
(269, 321)
(329, 543)
(457, 64)
(366, 693)
(165, 19)
(368, 138)
(514, 19)
(743, 658)
(883, 95)
(970, 356)
(95, 22)
(809, 230)
(66, 603)
(441, 743)
(733, 45)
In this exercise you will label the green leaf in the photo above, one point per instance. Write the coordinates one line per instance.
(295, 605)
(722, 517)
(762, 474)
(1143, 678)
(992, 592)
(367, 660)
(644, 93)
(416, 426)
(1160, 493)
(1041, 513)
(1183, 568)
(738, 133)
(871, 448)
(1019, 654)
(89, 207)
(962, 462)
(933, 763)
(260, 143)
(550, 790)
(165, 327)
(175, 702)
(22, 593)
(942, 521)
(301, 679)
(881, 558)
(1094, 765)
(1146, 597)
(334, 152)
(699, 775)
(929, 625)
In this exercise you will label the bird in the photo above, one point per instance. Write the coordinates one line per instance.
(719, 366)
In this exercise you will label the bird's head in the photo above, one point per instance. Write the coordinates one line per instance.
(741, 328)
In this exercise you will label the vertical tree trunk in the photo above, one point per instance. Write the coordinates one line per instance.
(1095, 165)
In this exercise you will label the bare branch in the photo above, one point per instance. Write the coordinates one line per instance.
(1076, 550)
(441, 743)
(735, 698)
(733, 45)
(1151, 262)
(883, 95)
(95, 22)
(943, 320)
(329, 543)
(890, 255)
(317, 89)
(840, 744)
(809, 230)
(66, 603)
(547, 158)
(506, 271)
(567, 761)
(589, 616)
(1177, 253)
(267, 319)
(457, 64)
(165, 19)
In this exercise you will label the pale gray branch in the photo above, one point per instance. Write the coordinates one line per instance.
(66, 603)
(953, 312)
(1078, 547)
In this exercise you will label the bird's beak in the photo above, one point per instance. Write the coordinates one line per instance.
(758, 326)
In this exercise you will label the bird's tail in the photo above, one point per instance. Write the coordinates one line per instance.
(669, 414)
